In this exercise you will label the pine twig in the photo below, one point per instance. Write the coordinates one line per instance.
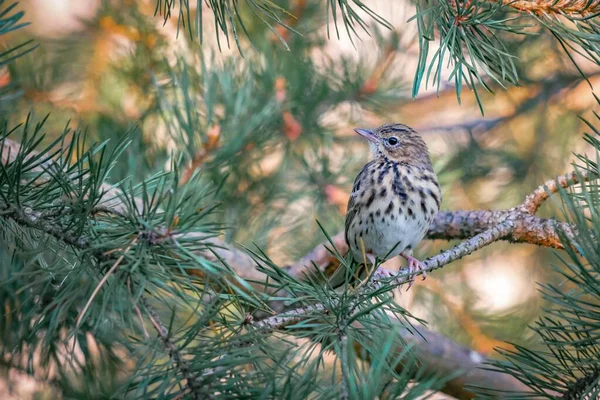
(371, 84)
(33, 219)
(282, 31)
(138, 312)
(534, 200)
(102, 282)
(174, 353)
(289, 318)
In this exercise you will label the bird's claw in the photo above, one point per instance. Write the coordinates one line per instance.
(414, 266)
(383, 273)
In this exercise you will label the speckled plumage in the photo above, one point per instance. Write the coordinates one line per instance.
(395, 196)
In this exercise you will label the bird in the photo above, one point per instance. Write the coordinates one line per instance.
(394, 199)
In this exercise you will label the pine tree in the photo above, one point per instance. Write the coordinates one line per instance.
(155, 196)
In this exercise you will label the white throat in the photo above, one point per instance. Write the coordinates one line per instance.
(374, 147)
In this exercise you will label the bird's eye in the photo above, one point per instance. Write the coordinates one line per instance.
(393, 140)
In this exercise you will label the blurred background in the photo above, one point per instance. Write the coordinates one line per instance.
(274, 129)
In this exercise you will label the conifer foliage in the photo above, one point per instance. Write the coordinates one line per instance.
(138, 255)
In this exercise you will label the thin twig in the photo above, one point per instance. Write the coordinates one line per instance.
(139, 314)
(108, 210)
(576, 8)
(102, 282)
(137, 311)
(534, 200)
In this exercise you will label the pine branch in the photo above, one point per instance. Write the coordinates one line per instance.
(574, 8)
(194, 388)
(27, 217)
(580, 389)
(447, 225)
(534, 200)
(344, 365)
(487, 227)
(31, 219)
(430, 264)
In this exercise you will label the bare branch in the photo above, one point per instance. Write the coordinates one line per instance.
(439, 355)
(102, 282)
(534, 200)
(575, 8)
(289, 318)
(402, 276)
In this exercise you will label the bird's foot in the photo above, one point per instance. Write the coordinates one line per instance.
(383, 273)
(414, 266)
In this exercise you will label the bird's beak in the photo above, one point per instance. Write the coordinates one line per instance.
(367, 134)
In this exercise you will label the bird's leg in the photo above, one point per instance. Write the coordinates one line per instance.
(414, 266)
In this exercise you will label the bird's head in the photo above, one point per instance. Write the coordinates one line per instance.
(398, 143)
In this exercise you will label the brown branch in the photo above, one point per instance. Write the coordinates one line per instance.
(371, 84)
(401, 277)
(211, 143)
(526, 227)
(453, 225)
(479, 340)
(290, 125)
(569, 7)
(283, 31)
(444, 357)
(534, 200)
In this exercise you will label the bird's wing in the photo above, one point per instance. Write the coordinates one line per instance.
(352, 208)
(349, 217)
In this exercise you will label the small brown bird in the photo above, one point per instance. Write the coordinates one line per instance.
(394, 199)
